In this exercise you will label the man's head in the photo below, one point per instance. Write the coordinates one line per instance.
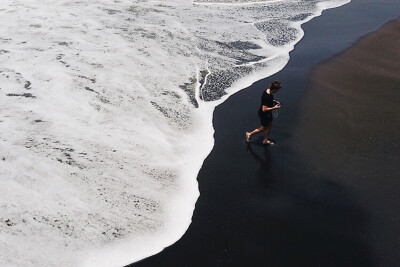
(275, 86)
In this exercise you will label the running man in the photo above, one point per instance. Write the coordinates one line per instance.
(265, 112)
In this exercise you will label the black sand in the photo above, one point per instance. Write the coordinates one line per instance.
(327, 193)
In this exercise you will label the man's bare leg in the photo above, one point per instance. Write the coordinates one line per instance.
(267, 131)
(256, 131)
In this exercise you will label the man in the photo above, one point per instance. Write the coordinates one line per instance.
(265, 112)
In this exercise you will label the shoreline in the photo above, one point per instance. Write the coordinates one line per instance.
(213, 170)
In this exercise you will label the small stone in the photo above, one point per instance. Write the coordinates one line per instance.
(27, 85)
(63, 43)
(28, 95)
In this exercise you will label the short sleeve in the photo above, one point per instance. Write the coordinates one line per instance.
(267, 100)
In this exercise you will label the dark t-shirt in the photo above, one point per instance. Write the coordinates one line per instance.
(268, 101)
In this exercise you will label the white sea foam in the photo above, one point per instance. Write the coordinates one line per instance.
(105, 116)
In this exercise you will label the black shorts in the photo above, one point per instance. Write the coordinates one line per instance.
(266, 119)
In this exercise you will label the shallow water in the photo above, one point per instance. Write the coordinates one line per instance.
(105, 115)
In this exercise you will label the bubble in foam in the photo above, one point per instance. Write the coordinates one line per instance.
(103, 160)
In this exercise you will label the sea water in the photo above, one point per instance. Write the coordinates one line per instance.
(106, 116)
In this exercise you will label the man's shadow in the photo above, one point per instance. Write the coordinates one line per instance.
(265, 165)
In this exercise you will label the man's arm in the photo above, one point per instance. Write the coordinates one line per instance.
(265, 108)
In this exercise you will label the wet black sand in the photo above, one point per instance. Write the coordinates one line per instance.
(326, 194)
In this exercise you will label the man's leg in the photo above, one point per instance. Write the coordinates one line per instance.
(256, 131)
(267, 131)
